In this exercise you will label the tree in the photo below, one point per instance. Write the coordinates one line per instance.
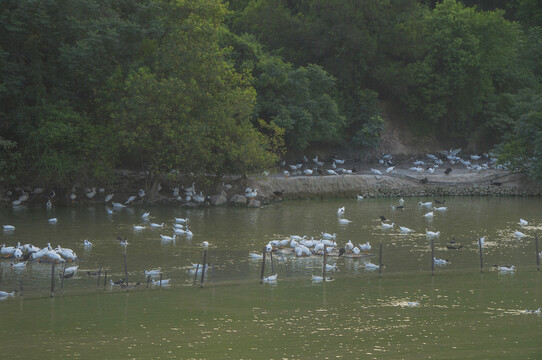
(191, 110)
(465, 57)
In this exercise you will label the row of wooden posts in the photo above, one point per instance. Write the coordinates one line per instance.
(480, 250)
(264, 252)
(125, 274)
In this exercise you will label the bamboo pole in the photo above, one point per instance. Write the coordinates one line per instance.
(380, 261)
(52, 279)
(105, 279)
(202, 269)
(537, 253)
(432, 256)
(196, 274)
(125, 269)
(263, 266)
(324, 263)
(99, 275)
(63, 274)
(481, 255)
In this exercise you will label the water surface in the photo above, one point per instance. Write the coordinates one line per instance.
(462, 312)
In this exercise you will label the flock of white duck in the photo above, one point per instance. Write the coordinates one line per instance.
(302, 246)
(428, 165)
(22, 254)
(294, 245)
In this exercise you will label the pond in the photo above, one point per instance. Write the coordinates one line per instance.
(403, 312)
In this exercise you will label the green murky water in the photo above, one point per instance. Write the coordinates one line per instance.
(462, 313)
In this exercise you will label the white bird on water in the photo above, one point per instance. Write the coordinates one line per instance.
(404, 229)
(429, 215)
(376, 171)
(53, 221)
(432, 234)
(340, 211)
(359, 197)
(344, 221)
(270, 279)
(146, 215)
(523, 222)
(167, 238)
(87, 243)
(9, 227)
(519, 234)
(387, 226)
(426, 204)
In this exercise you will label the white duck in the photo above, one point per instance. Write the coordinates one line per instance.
(87, 243)
(181, 220)
(9, 227)
(440, 262)
(426, 204)
(328, 236)
(6, 294)
(519, 234)
(53, 221)
(429, 215)
(523, 222)
(146, 215)
(255, 256)
(20, 265)
(167, 238)
(405, 230)
(432, 234)
(332, 267)
(154, 225)
(387, 226)
(340, 211)
(348, 246)
(365, 247)
(108, 197)
(344, 221)
(117, 205)
(371, 266)
(270, 279)
(505, 268)
(153, 272)
(359, 197)
(205, 244)
(130, 199)
(441, 208)
(376, 171)
(139, 228)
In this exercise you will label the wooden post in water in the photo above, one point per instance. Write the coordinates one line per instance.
(324, 264)
(105, 278)
(196, 274)
(380, 261)
(481, 255)
(537, 253)
(263, 265)
(1, 272)
(99, 275)
(432, 256)
(160, 279)
(272, 266)
(63, 274)
(52, 279)
(148, 280)
(125, 269)
(202, 269)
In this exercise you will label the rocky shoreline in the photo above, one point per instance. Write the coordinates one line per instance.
(232, 191)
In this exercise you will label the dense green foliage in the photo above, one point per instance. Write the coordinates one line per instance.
(191, 85)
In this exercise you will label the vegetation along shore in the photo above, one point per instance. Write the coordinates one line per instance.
(101, 98)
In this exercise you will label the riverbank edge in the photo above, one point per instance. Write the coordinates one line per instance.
(277, 188)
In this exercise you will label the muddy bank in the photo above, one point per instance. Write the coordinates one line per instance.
(491, 184)
(231, 191)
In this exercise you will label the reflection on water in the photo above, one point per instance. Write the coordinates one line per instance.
(404, 313)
